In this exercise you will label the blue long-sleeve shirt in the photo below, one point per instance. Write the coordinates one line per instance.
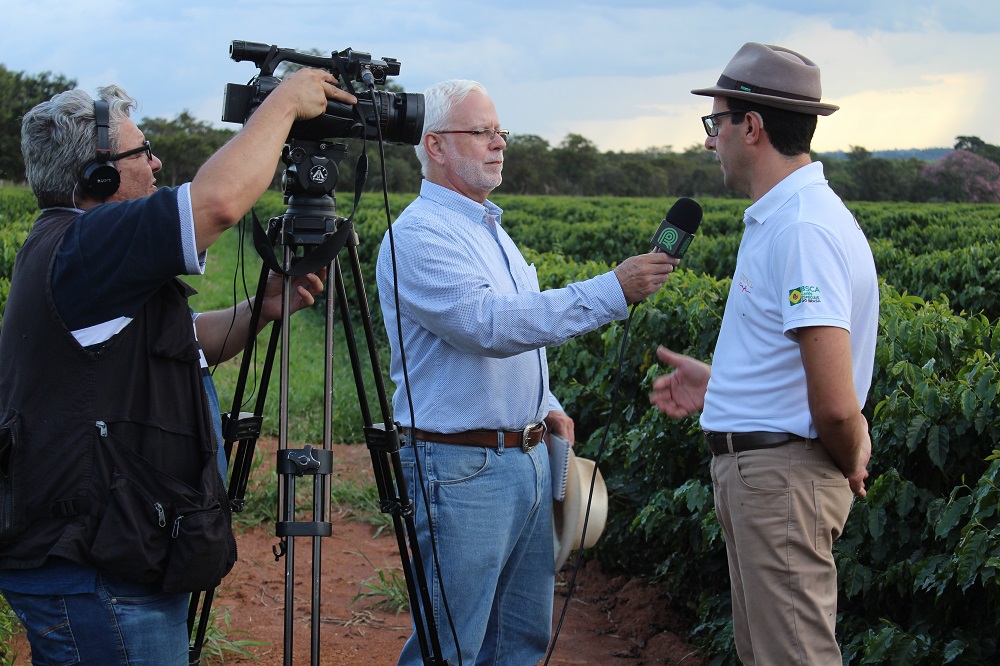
(474, 323)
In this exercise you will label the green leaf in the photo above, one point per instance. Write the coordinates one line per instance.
(938, 445)
(915, 432)
(953, 650)
(929, 575)
(969, 401)
(854, 578)
(971, 555)
(876, 522)
(906, 497)
(951, 516)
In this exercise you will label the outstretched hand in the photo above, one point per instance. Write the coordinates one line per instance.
(682, 392)
(641, 275)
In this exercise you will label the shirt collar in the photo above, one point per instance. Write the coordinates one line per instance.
(459, 202)
(779, 195)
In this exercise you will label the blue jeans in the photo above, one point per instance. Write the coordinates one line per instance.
(121, 622)
(491, 512)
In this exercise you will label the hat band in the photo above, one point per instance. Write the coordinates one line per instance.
(743, 86)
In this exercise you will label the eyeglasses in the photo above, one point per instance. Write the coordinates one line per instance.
(712, 127)
(490, 134)
(144, 148)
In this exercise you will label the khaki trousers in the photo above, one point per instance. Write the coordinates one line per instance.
(781, 510)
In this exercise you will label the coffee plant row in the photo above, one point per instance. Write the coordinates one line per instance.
(919, 558)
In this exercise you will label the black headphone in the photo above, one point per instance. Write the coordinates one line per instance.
(100, 178)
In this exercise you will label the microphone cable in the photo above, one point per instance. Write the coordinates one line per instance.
(593, 481)
(406, 382)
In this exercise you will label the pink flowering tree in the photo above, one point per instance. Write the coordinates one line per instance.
(963, 176)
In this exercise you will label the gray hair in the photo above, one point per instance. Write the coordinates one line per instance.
(59, 139)
(439, 100)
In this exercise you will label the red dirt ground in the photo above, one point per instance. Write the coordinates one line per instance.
(611, 620)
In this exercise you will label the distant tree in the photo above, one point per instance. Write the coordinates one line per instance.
(576, 162)
(695, 173)
(529, 166)
(182, 144)
(964, 176)
(631, 174)
(870, 178)
(977, 146)
(402, 169)
(19, 92)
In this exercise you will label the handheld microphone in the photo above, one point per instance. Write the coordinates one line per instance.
(677, 229)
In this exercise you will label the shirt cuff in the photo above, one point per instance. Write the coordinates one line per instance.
(194, 261)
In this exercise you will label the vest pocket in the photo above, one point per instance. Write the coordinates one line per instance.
(10, 437)
(133, 538)
(157, 529)
(195, 558)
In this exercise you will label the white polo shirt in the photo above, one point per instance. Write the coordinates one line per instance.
(803, 261)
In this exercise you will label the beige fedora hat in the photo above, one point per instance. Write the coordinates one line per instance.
(772, 76)
(568, 515)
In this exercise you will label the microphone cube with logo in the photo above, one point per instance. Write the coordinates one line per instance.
(676, 230)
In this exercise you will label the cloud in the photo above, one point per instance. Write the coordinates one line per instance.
(618, 72)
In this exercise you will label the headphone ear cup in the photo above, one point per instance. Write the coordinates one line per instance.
(100, 180)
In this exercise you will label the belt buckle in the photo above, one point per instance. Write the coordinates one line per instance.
(526, 437)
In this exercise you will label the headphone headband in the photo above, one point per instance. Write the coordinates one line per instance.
(102, 117)
(100, 178)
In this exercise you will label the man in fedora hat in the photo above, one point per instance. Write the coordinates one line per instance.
(781, 403)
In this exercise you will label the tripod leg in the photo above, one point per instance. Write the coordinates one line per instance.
(383, 443)
(244, 429)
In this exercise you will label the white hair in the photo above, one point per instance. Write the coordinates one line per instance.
(59, 138)
(439, 100)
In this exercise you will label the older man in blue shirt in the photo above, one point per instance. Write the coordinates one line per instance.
(475, 400)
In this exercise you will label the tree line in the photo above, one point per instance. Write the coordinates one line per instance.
(575, 167)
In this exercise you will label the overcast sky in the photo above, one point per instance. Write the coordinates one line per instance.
(906, 73)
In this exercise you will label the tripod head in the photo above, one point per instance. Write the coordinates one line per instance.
(308, 182)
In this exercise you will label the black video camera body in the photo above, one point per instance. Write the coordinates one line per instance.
(386, 116)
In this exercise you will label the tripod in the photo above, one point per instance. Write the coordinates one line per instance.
(312, 235)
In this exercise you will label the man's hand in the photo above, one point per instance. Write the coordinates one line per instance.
(304, 290)
(307, 90)
(860, 473)
(643, 274)
(682, 392)
(560, 424)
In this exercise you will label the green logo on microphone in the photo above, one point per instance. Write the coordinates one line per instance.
(668, 238)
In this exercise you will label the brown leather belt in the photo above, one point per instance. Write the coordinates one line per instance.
(525, 439)
(721, 443)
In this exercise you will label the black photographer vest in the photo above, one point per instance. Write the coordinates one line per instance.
(106, 456)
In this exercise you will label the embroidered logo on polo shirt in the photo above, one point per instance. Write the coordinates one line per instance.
(804, 295)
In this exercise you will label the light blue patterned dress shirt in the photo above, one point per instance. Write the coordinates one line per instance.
(474, 324)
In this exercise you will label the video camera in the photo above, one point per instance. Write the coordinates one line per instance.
(400, 115)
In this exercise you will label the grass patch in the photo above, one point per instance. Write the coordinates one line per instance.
(231, 275)
(10, 626)
(387, 588)
(220, 641)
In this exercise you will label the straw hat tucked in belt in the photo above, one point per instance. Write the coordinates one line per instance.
(568, 515)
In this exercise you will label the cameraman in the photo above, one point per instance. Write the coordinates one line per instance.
(105, 396)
